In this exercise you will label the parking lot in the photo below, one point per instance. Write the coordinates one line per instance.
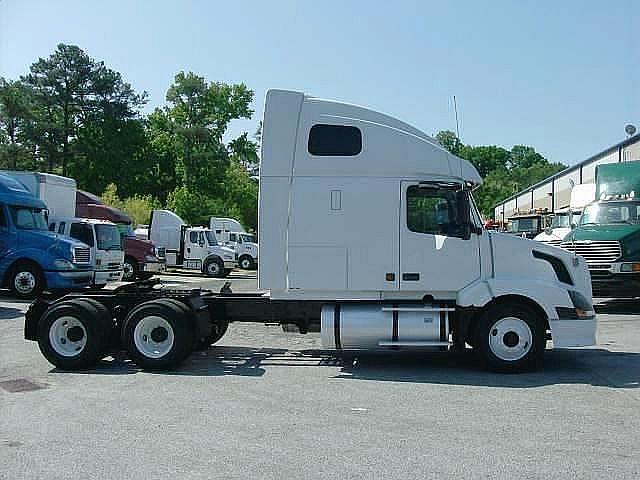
(263, 404)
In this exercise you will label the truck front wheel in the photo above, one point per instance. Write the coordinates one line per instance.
(130, 268)
(510, 338)
(26, 281)
(214, 268)
(246, 262)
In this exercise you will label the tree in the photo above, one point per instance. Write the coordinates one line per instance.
(15, 111)
(449, 140)
(71, 91)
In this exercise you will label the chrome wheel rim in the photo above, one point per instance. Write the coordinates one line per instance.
(127, 271)
(24, 282)
(246, 263)
(213, 268)
(510, 339)
(153, 337)
(67, 336)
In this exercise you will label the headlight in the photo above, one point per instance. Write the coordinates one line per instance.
(62, 264)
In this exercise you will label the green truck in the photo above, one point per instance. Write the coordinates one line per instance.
(608, 233)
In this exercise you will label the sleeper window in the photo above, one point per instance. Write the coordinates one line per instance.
(334, 140)
(432, 210)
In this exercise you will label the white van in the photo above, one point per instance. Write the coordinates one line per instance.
(107, 254)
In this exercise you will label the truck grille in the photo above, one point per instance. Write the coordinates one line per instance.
(113, 266)
(82, 255)
(595, 253)
(556, 242)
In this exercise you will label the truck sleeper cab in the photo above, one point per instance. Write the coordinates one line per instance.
(411, 267)
(33, 259)
(103, 237)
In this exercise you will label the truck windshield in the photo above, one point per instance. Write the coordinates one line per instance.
(561, 220)
(246, 238)
(211, 238)
(524, 225)
(108, 237)
(28, 218)
(125, 229)
(611, 212)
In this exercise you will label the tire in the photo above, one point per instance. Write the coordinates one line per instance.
(219, 329)
(510, 338)
(214, 267)
(73, 334)
(130, 269)
(105, 322)
(158, 334)
(26, 281)
(246, 262)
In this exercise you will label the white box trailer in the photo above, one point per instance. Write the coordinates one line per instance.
(369, 235)
(58, 193)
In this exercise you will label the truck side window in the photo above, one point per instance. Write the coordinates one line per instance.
(3, 219)
(61, 227)
(232, 237)
(52, 227)
(432, 210)
(334, 140)
(82, 232)
(193, 237)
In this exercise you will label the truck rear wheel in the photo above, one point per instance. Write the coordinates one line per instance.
(74, 334)
(510, 338)
(26, 281)
(158, 334)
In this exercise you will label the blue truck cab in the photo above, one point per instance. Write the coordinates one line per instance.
(33, 259)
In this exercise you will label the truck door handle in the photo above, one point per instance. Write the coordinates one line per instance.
(410, 277)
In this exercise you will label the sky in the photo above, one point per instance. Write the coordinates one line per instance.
(562, 77)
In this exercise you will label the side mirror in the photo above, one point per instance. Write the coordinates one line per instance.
(464, 213)
(574, 226)
(548, 230)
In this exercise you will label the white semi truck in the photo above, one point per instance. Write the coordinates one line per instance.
(231, 233)
(411, 269)
(193, 248)
(566, 218)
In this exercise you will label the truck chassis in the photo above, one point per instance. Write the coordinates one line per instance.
(161, 327)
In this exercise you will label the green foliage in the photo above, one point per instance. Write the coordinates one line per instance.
(504, 172)
(138, 207)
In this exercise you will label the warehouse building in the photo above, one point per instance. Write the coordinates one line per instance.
(554, 193)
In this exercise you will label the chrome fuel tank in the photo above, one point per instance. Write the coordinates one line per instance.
(355, 326)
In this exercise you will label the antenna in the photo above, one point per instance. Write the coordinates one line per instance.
(455, 109)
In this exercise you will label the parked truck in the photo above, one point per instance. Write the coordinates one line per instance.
(563, 220)
(33, 259)
(231, 233)
(608, 234)
(412, 267)
(527, 224)
(192, 248)
(142, 259)
(58, 193)
(105, 242)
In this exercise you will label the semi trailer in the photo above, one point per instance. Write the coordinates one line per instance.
(411, 269)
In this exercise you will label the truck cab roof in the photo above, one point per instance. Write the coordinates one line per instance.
(13, 192)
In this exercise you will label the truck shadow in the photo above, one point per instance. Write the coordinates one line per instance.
(597, 367)
(10, 313)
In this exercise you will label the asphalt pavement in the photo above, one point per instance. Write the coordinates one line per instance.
(267, 405)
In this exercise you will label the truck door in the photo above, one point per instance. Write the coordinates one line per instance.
(195, 249)
(434, 255)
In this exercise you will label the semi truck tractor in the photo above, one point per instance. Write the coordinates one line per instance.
(412, 267)
(527, 224)
(142, 259)
(33, 259)
(231, 233)
(103, 238)
(192, 248)
(563, 220)
(608, 233)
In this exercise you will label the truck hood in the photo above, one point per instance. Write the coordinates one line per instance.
(556, 234)
(616, 231)
(59, 245)
(513, 255)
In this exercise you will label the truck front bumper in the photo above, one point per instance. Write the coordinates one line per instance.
(102, 277)
(609, 284)
(68, 279)
(153, 267)
(573, 333)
